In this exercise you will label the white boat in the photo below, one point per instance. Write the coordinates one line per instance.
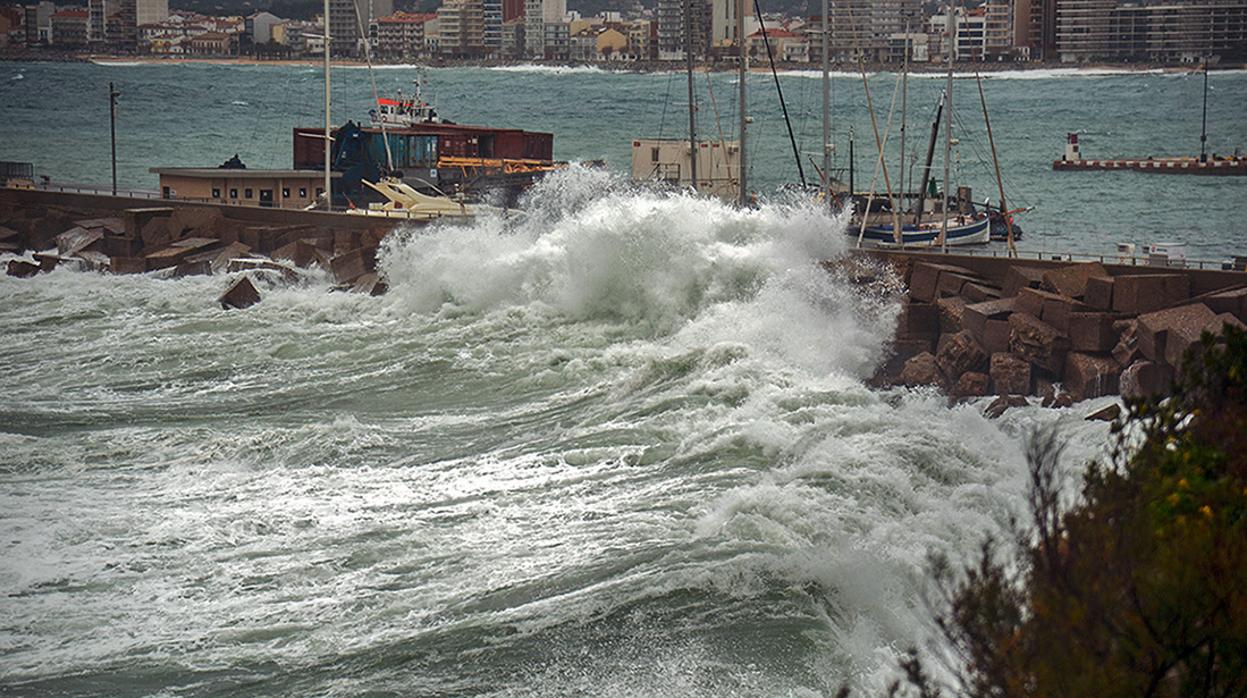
(404, 112)
(402, 201)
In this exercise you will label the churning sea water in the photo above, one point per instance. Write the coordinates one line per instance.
(622, 447)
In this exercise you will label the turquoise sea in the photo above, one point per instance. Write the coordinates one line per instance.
(623, 447)
(56, 115)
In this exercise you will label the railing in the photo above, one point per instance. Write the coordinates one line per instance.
(1237, 263)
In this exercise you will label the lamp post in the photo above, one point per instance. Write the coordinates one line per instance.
(113, 94)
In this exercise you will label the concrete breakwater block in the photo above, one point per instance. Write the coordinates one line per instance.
(918, 320)
(1098, 292)
(1142, 293)
(238, 264)
(1009, 374)
(1105, 414)
(1090, 375)
(961, 354)
(922, 370)
(176, 252)
(136, 218)
(77, 239)
(1233, 301)
(1090, 331)
(1163, 335)
(925, 278)
(241, 294)
(1038, 342)
(1002, 404)
(1144, 379)
(354, 264)
(1072, 281)
(22, 269)
(1018, 277)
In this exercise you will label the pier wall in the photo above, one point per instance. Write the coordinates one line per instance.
(974, 326)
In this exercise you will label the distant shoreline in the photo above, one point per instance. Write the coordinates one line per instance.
(609, 67)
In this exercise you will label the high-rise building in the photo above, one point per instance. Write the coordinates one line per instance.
(723, 22)
(674, 30)
(863, 29)
(150, 11)
(344, 22)
(512, 9)
(492, 26)
(1113, 30)
(1034, 29)
(537, 14)
(461, 28)
(401, 35)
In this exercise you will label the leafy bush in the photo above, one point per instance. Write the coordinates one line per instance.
(1140, 587)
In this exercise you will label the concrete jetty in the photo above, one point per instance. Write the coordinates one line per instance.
(123, 235)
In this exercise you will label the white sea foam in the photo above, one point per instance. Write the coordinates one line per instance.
(551, 69)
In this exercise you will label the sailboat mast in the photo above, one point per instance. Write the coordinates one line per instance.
(904, 112)
(950, 46)
(991, 140)
(692, 106)
(826, 104)
(926, 168)
(1203, 126)
(328, 191)
(743, 68)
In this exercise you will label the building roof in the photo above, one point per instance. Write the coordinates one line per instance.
(777, 34)
(71, 13)
(407, 18)
(225, 172)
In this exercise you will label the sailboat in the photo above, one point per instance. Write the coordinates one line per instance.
(959, 221)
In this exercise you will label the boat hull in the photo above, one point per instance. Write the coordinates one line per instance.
(974, 232)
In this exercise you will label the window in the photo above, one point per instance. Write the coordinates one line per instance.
(164, 192)
(285, 192)
(320, 191)
(247, 193)
(653, 154)
(216, 192)
(302, 192)
(233, 193)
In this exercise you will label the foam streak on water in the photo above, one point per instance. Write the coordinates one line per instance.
(622, 447)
